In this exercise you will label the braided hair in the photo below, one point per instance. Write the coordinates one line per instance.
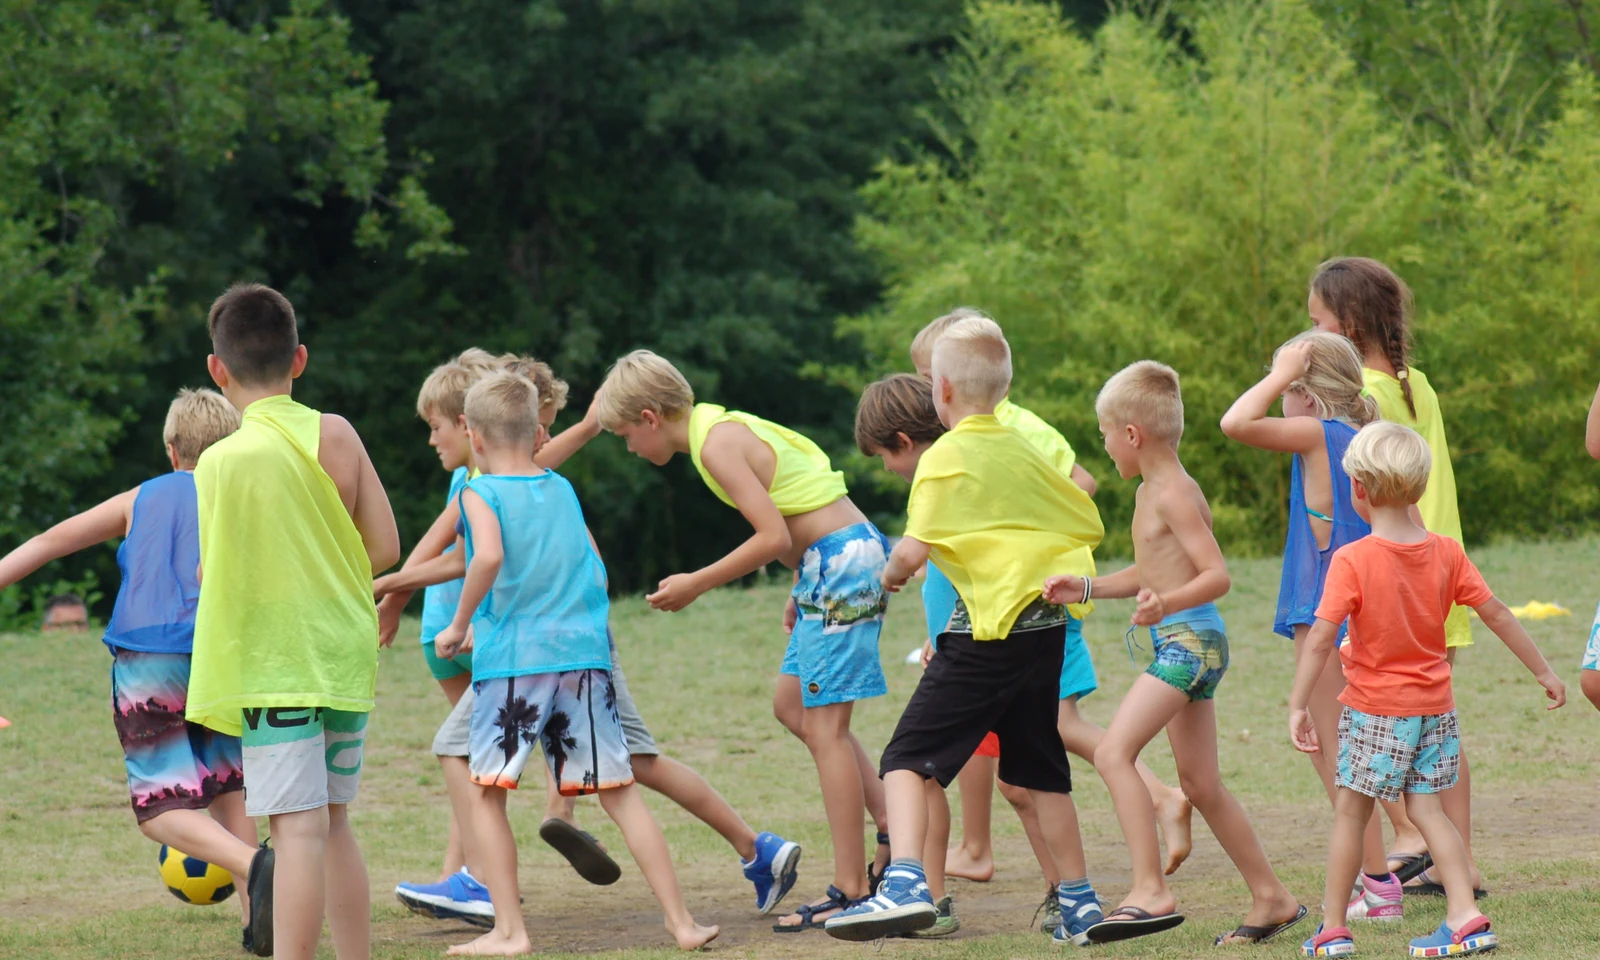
(1374, 308)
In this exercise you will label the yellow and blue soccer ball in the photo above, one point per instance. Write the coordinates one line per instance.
(193, 880)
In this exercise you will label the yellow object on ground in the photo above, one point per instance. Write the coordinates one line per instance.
(1538, 610)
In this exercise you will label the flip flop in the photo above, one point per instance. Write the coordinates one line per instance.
(1250, 934)
(1411, 864)
(582, 850)
(1125, 923)
(1429, 887)
(836, 900)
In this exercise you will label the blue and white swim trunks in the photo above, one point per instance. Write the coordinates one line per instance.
(1591, 653)
(840, 601)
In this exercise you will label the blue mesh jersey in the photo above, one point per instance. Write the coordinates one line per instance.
(548, 610)
(439, 601)
(1305, 565)
(160, 562)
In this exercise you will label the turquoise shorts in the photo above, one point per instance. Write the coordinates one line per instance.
(443, 668)
(1591, 653)
(839, 599)
(1191, 651)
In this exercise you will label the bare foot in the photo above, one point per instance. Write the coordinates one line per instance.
(959, 863)
(493, 944)
(1174, 815)
(693, 936)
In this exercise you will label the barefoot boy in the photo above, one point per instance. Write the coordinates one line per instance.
(1178, 571)
(534, 597)
(802, 516)
(1398, 734)
(292, 519)
(176, 769)
(994, 516)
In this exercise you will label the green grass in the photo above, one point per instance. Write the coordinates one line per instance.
(78, 880)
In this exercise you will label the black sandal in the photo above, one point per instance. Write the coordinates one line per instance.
(1248, 934)
(875, 879)
(582, 850)
(808, 912)
(1411, 865)
(1125, 923)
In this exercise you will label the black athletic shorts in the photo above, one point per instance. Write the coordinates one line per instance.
(1010, 686)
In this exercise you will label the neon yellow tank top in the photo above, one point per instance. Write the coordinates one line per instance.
(286, 616)
(1045, 438)
(804, 480)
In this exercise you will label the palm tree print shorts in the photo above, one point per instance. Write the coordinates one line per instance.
(839, 599)
(172, 764)
(572, 715)
(1191, 651)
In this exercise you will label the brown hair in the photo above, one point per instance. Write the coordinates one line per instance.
(552, 389)
(1373, 306)
(253, 332)
(899, 403)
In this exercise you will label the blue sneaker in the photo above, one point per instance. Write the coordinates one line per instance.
(902, 905)
(773, 871)
(457, 897)
(1079, 912)
(1473, 937)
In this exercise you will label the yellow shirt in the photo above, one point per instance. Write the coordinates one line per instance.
(804, 480)
(1000, 518)
(1440, 513)
(1045, 438)
(286, 616)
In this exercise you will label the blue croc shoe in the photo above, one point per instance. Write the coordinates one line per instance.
(1335, 942)
(902, 905)
(1473, 937)
(457, 897)
(773, 870)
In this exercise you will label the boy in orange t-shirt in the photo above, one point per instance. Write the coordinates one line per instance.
(1398, 734)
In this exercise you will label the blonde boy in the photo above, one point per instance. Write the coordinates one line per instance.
(1398, 733)
(534, 597)
(802, 516)
(1178, 572)
(994, 516)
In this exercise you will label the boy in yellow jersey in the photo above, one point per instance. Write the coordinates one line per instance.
(293, 520)
(802, 516)
(994, 516)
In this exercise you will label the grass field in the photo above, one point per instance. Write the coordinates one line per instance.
(77, 880)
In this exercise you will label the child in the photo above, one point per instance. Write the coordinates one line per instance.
(176, 769)
(1590, 671)
(1318, 375)
(1398, 733)
(1178, 572)
(994, 516)
(534, 596)
(292, 521)
(802, 516)
(1365, 301)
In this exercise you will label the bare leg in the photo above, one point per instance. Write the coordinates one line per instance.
(788, 706)
(557, 807)
(973, 858)
(933, 849)
(827, 735)
(1325, 710)
(1193, 734)
(458, 782)
(454, 687)
(1352, 813)
(1058, 821)
(1173, 810)
(907, 798)
(1457, 800)
(1590, 681)
(299, 882)
(349, 894)
(683, 786)
(496, 849)
(227, 838)
(1022, 802)
(1449, 856)
(649, 848)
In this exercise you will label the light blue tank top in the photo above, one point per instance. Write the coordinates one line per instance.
(1305, 565)
(160, 592)
(939, 598)
(548, 610)
(439, 601)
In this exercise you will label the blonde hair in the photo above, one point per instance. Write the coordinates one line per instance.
(974, 356)
(1333, 381)
(1391, 460)
(922, 343)
(899, 403)
(638, 382)
(480, 361)
(1147, 395)
(503, 409)
(444, 392)
(552, 391)
(195, 420)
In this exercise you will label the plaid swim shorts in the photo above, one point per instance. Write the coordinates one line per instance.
(1385, 757)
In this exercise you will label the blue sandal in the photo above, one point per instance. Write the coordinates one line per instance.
(808, 912)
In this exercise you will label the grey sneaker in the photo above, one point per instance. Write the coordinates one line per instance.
(1049, 913)
(944, 924)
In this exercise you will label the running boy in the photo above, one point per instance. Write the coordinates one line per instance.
(802, 516)
(176, 769)
(995, 517)
(1398, 735)
(535, 598)
(292, 520)
(1178, 572)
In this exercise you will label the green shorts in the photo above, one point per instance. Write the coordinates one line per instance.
(443, 668)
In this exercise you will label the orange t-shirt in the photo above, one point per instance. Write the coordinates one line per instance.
(1396, 596)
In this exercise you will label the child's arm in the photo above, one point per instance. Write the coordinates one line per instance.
(488, 553)
(1248, 422)
(906, 559)
(1313, 656)
(1591, 430)
(1084, 479)
(1511, 632)
(1066, 588)
(728, 463)
(394, 599)
(1210, 580)
(561, 447)
(343, 451)
(414, 576)
(107, 521)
